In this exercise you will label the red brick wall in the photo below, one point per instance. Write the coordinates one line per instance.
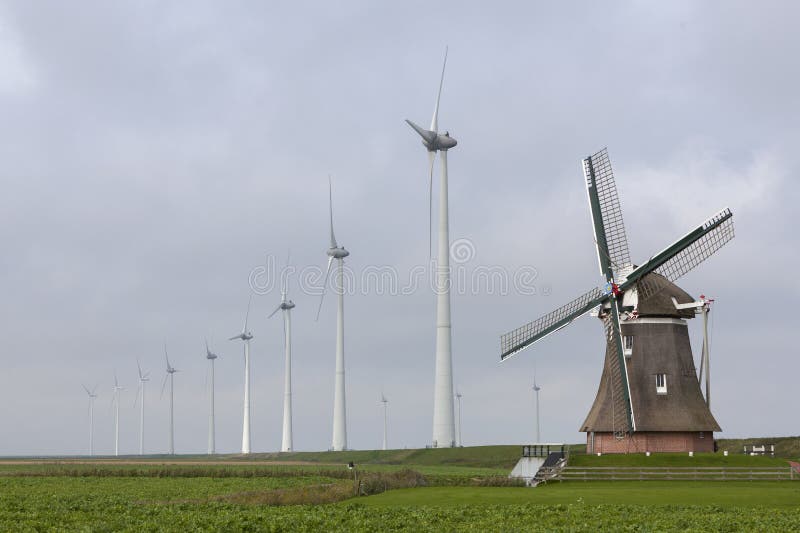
(651, 441)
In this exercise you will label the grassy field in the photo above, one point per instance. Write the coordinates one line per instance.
(454, 491)
(723, 494)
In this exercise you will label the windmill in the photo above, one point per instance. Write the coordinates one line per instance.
(286, 306)
(649, 397)
(115, 400)
(143, 378)
(92, 395)
(171, 376)
(536, 388)
(245, 336)
(458, 397)
(338, 253)
(212, 445)
(385, 403)
(443, 419)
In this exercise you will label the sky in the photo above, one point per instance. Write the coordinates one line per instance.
(157, 156)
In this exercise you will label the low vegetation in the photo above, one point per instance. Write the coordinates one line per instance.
(465, 489)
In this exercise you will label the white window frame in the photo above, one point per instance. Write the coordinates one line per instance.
(627, 345)
(661, 383)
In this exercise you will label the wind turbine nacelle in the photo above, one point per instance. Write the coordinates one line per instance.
(445, 142)
(439, 142)
(287, 305)
(338, 253)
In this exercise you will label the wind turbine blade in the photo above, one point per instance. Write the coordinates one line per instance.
(116, 383)
(324, 286)
(139, 367)
(275, 311)
(86, 389)
(138, 390)
(330, 209)
(285, 280)
(425, 134)
(208, 351)
(435, 119)
(166, 376)
(431, 159)
(166, 357)
(236, 337)
(247, 314)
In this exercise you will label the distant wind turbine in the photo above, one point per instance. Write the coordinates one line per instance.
(171, 376)
(92, 396)
(143, 378)
(116, 389)
(339, 407)
(286, 306)
(212, 446)
(443, 419)
(385, 403)
(245, 336)
(536, 389)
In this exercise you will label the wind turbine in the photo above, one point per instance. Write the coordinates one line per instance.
(339, 409)
(116, 389)
(458, 397)
(245, 336)
(92, 396)
(536, 389)
(212, 447)
(171, 376)
(443, 419)
(143, 378)
(385, 403)
(286, 306)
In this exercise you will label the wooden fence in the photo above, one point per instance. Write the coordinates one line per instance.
(688, 473)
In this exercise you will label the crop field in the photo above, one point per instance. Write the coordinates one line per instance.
(452, 491)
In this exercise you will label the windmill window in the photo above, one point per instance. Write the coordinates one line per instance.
(661, 383)
(627, 345)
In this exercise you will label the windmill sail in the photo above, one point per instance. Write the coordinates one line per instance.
(522, 337)
(683, 255)
(610, 237)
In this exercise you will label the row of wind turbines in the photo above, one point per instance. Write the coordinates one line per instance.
(444, 422)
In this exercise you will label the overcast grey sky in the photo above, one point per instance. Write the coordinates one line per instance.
(153, 153)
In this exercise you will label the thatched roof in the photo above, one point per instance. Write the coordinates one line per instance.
(660, 304)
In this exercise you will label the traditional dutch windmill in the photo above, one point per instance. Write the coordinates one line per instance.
(649, 397)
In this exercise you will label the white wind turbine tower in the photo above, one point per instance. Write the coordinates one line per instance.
(536, 389)
(92, 396)
(286, 306)
(339, 409)
(212, 445)
(245, 336)
(143, 378)
(171, 376)
(443, 419)
(458, 397)
(116, 389)
(385, 403)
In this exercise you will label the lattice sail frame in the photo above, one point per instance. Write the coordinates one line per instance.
(522, 337)
(610, 236)
(621, 412)
(684, 255)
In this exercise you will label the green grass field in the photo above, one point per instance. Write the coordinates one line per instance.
(263, 493)
(773, 494)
